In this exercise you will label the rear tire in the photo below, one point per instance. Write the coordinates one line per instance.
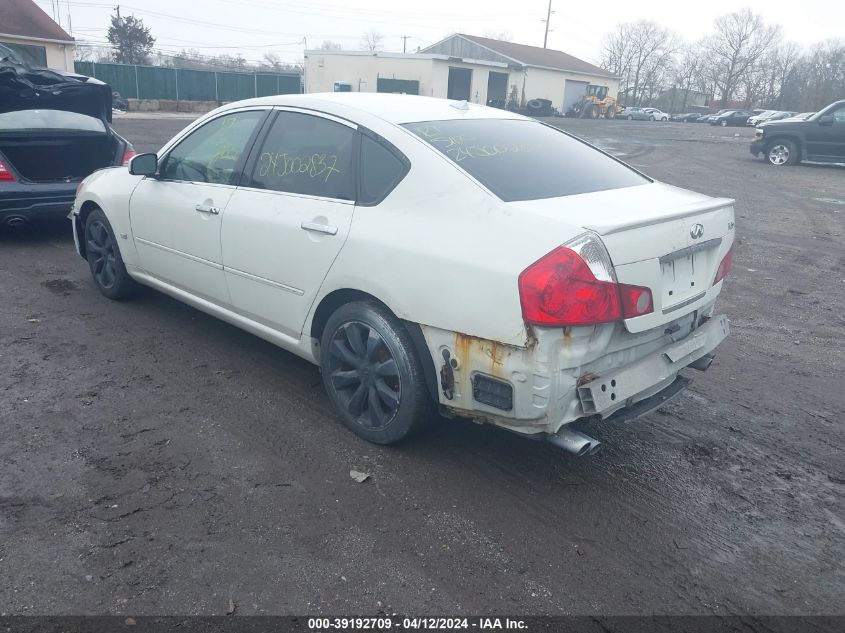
(630, 118)
(781, 153)
(104, 258)
(372, 374)
(724, 123)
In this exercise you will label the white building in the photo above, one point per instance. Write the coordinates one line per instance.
(477, 69)
(33, 37)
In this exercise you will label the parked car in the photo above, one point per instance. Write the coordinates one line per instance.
(801, 116)
(54, 131)
(760, 117)
(634, 114)
(707, 118)
(689, 117)
(779, 116)
(818, 139)
(335, 226)
(731, 117)
(656, 115)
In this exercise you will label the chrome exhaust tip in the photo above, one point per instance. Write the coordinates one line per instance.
(575, 442)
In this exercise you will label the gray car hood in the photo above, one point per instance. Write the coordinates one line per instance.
(27, 88)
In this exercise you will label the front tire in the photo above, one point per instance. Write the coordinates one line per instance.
(372, 374)
(780, 153)
(104, 258)
(724, 124)
(630, 118)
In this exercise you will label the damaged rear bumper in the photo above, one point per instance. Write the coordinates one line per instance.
(562, 376)
(623, 387)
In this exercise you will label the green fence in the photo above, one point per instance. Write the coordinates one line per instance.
(406, 86)
(179, 84)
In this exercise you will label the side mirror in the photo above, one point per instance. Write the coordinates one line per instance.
(143, 165)
(827, 119)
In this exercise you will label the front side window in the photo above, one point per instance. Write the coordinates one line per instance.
(839, 115)
(211, 153)
(525, 160)
(306, 154)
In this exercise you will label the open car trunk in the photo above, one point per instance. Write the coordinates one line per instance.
(41, 158)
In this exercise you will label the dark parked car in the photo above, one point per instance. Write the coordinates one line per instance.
(819, 139)
(731, 117)
(54, 131)
(689, 117)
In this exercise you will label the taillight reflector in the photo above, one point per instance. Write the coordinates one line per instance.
(127, 155)
(636, 300)
(724, 266)
(5, 174)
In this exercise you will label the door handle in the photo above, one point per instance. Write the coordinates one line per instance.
(207, 209)
(319, 228)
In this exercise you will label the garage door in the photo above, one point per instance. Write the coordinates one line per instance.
(460, 80)
(572, 92)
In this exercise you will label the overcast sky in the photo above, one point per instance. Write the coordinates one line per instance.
(253, 27)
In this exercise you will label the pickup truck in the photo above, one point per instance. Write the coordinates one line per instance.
(819, 139)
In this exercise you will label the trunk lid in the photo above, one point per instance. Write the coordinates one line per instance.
(662, 237)
(26, 88)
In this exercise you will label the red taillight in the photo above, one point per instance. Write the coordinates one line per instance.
(127, 155)
(724, 266)
(5, 174)
(562, 289)
(636, 300)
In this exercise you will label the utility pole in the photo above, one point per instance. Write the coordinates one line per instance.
(405, 42)
(117, 8)
(548, 17)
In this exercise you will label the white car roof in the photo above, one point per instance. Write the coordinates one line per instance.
(393, 108)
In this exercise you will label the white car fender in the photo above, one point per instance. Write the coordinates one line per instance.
(114, 187)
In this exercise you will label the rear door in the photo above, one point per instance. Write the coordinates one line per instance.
(827, 141)
(287, 221)
(176, 216)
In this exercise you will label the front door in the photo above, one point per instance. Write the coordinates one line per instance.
(176, 216)
(826, 141)
(287, 221)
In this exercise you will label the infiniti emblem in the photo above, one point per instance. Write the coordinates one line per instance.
(696, 231)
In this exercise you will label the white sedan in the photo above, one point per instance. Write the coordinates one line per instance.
(656, 115)
(427, 255)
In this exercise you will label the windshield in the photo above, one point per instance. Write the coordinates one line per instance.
(36, 120)
(525, 160)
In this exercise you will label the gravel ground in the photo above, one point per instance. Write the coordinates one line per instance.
(155, 460)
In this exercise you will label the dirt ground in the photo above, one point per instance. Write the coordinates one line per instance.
(155, 460)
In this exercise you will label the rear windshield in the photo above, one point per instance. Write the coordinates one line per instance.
(525, 160)
(36, 120)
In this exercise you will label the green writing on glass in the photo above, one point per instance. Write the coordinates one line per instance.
(283, 164)
(462, 146)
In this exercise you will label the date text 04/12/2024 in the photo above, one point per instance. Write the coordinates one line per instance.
(387, 623)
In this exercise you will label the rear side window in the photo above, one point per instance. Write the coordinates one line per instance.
(211, 153)
(525, 160)
(381, 170)
(308, 155)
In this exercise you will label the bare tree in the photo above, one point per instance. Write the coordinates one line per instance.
(372, 41)
(687, 69)
(272, 61)
(641, 54)
(328, 45)
(504, 36)
(740, 41)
